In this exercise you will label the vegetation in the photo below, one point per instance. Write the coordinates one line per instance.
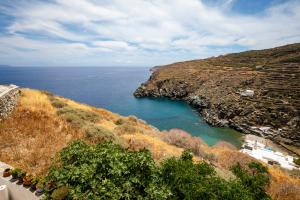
(255, 179)
(297, 161)
(126, 128)
(31, 144)
(83, 119)
(78, 117)
(120, 121)
(108, 171)
(98, 134)
(16, 172)
(184, 140)
(34, 133)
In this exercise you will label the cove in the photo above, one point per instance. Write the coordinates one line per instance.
(112, 88)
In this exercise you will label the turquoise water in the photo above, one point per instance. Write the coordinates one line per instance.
(112, 88)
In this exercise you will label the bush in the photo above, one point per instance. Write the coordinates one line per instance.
(188, 180)
(297, 161)
(78, 117)
(58, 104)
(107, 171)
(255, 179)
(120, 121)
(60, 193)
(16, 172)
(133, 118)
(98, 134)
(184, 140)
(126, 129)
(54, 101)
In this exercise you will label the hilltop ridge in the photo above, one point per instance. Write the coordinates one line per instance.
(256, 91)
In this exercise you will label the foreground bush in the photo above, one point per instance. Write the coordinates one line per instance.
(107, 171)
(188, 180)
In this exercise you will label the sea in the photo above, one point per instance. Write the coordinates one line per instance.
(112, 88)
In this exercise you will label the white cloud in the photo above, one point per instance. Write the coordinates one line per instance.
(144, 32)
(113, 45)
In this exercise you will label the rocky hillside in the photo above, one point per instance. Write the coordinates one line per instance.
(253, 92)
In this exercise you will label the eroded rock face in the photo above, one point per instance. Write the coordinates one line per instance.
(213, 86)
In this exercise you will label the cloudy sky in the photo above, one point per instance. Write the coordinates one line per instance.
(140, 32)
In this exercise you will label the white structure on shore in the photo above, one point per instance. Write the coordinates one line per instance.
(260, 151)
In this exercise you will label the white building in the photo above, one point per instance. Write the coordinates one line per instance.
(266, 154)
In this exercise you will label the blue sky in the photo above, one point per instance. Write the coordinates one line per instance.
(140, 32)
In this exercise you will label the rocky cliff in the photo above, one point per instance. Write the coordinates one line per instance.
(253, 92)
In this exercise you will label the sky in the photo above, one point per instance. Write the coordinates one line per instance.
(140, 32)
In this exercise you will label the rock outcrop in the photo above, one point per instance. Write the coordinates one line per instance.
(254, 92)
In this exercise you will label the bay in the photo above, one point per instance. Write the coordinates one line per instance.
(112, 88)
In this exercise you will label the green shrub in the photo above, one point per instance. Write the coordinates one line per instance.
(107, 171)
(54, 101)
(58, 104)
(126, 129)
(120, 121)
(60, 193)
(255, 179)
(297, 161)
(74, 119)
(188, 180)
(16, 172)
(40, 182)
(98, 134)
(78, 117)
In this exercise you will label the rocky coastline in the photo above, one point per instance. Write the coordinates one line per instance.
(256, 98)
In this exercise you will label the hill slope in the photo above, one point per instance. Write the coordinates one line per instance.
(43, 124)
(254, 91)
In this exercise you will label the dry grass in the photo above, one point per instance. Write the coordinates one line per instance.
(74, 104)
(283, 187)
(159, 149)
(226, 158)
(33, 134)
(224, 145)
(184, 140)
(35, 100)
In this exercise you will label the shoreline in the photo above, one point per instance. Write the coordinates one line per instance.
(201, 106)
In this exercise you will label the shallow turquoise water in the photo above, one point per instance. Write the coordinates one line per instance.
(177, 114)
(112, 88)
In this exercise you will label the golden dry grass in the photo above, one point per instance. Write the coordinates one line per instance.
(74, 104)
(33, 134)
(159, 149)
(35, 100)
(283, 187)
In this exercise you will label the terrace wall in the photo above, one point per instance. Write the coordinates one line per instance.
(8, 100)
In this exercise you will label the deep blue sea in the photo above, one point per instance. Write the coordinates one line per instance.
(112, 88)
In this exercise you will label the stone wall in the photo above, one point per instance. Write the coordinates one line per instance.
(8, 101)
